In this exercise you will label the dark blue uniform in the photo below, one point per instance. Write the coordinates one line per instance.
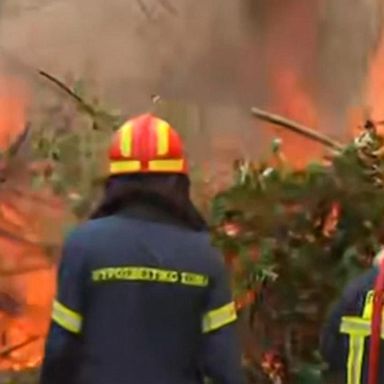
(345, 338)
(143, 300)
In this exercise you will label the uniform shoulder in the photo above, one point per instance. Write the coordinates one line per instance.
(362, 283)
(87, 230)
(204, 240)
(213, 258)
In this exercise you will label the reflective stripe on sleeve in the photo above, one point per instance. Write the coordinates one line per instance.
(368, 305)
(66, 318)
(219, 317)
(355, 326)
(352, 325)
(355, 359)
(357, 329)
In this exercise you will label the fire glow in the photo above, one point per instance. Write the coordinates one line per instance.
(27, 282)
(27, 278)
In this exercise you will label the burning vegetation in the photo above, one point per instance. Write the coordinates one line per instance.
(26, 268)
(50, 167)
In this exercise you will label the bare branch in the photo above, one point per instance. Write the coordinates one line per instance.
(16, 146)
(7, 350)
(89, 109)
(19, 239)
(144, 9)
(309, 133)
(21, 271)
(169, 7)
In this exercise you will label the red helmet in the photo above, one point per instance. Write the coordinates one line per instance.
(146, 144)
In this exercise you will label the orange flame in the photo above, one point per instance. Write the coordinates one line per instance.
(374, 108)
(13, 104)
(27, 278)
(286, 64)
(294, 102)
(376, 85)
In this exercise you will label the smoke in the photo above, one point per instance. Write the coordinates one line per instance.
(349, 36)
(292, 56)
(183, 50)
(132, 48)
(327, 46)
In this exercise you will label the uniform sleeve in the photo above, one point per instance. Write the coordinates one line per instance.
(221, 351)
(333, 344)
(67, 311)
(63, 345)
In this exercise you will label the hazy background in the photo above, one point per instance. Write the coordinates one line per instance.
(315, 61)
(307, 59)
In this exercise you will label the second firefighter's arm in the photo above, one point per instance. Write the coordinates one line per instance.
(63, 345)
(221, 350)
(333, 344)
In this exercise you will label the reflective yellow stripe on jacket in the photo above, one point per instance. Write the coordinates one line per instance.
(213, 320)
(219, 317)
(66, 318)
(358, 329)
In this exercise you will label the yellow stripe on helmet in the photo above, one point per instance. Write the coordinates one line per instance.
(162, 129)
(166, 165)
(126, 137)
(131, 166)
(128, 166)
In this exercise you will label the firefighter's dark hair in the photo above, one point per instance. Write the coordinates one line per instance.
(169, 192)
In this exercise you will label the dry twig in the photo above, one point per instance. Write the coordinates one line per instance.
(145, 9)
(168, 7)
(89, 109)
(12, 348)
(297, 128)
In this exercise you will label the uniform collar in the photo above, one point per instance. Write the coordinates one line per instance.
(150, 212)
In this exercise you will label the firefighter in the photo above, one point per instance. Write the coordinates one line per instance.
(142, 296)
(345, 339)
